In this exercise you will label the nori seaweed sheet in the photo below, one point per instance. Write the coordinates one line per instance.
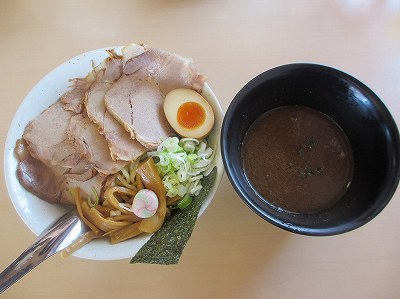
(166, 245)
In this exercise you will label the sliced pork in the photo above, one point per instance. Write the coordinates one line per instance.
(94, 101)
(42, 180)
(136, 99)
(96, 184)
(110, 117)
(121, 146)
(48, 141)
(73, 99)
(120, 143)
(166, 70)
(51, 183)
(86, 138)
(138, 105)
(132, 50)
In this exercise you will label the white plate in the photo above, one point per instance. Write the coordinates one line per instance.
(38, 214)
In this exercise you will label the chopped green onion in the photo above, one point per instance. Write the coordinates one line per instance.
(185, 202)
(182, 164)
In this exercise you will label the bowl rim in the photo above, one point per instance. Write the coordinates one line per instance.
(229, 115)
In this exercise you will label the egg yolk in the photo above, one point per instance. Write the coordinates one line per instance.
(191, 115)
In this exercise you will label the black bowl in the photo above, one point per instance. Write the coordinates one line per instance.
(366, 121)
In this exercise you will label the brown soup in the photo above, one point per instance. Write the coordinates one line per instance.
(297, 159)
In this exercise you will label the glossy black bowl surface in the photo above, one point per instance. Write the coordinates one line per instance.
(372, 132)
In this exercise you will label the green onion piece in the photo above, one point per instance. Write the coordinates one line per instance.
(185, 202)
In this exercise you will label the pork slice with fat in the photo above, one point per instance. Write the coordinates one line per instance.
(73, 99)
(94, 184)
(167, 70)
(48, 142)
(137, 104)
(89, 142)
(120, 143)
(41, 180)
(94, 100)
(52, 182)
(121, 146)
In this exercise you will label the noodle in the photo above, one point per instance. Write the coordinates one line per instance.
(132, 217)
(104, 224)
(126, 175)
(121, 181)
(132, 169)
(125, 198)
(113, 201)
(107, 218)
(139, 182)
(78, 203)
(80, 242)
(125, 233)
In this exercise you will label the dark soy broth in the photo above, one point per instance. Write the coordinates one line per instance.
(297, 159)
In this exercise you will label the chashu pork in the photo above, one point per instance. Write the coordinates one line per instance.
(138, 105)
(49, 162)
(91, 144)
(73, 99)
(65, 147)
(166, 70)
(121, 146)
(52, 182)
(47, 140)
(42, 180)
(136, 99)
(94, 100)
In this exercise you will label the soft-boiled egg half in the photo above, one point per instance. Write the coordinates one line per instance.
(188, 113)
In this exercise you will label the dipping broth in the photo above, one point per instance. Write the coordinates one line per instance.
(297, 159)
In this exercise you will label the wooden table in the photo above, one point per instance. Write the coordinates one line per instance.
(232, 253)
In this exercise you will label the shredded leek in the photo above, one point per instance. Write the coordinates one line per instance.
(185, 202)
(182, 164)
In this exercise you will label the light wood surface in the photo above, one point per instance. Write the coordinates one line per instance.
(232, 253)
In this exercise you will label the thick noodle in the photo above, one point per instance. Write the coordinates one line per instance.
(108, 218)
